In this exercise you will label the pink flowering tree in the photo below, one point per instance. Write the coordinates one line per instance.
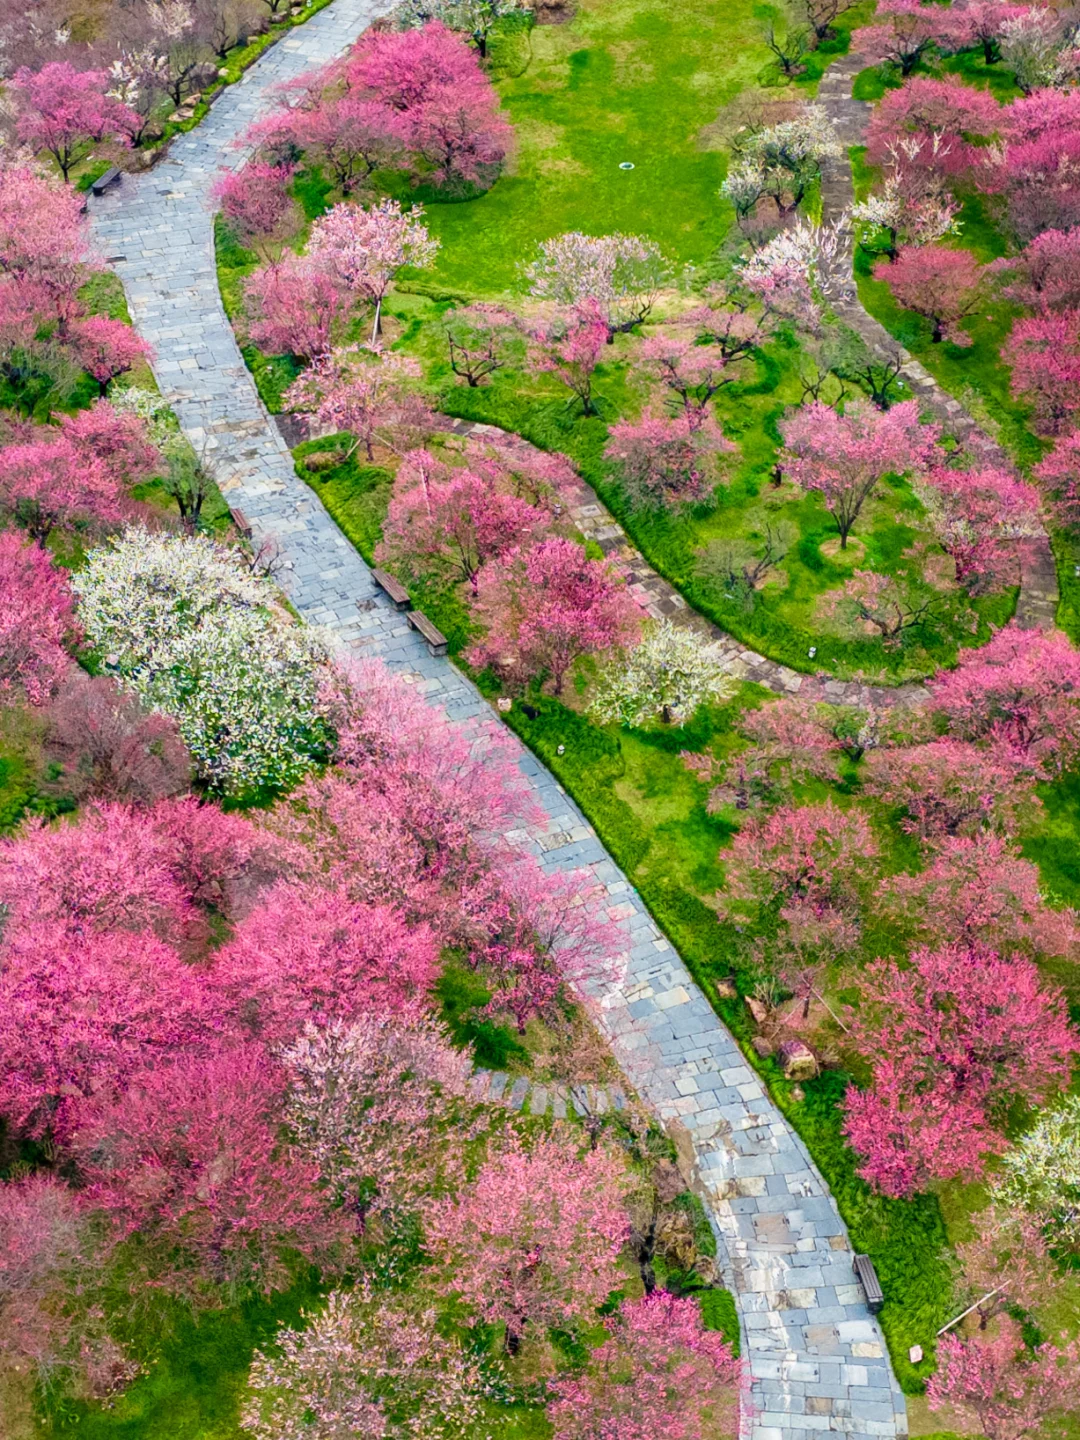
(980, 22)
(952, 787)
(107, 348)
(534, 1240)
(691, 373)
(1060, 475)
(48, 485)
(255, 201)
(378, 1106)
(659, 1375)
(447, 108)
(979, 515)
(481, 340)
(447, 524)
(61, 110)
(81, 1012)
(903, 32)
(944, 286)
(111, 746)
(365, 248)
(1046, 273)
(812, 857)
(667, 461)
(952, 1042)
(37, 621)
(925, 130)
(1007, 1263)
(308, 953)
(115, 439)
(570, 348)
(977, 889)
(365, 392)
(623, 274)
(190, 1158)
(845, 457)
(544, 607)
(352, 137)
(1036, 170)
(1043, 352)
(1001, 1386)
(1021, 690)
(296, 308)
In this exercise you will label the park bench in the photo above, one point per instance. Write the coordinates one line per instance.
(436, 640)
(394, 588)
(867, 1278)
(102, 183)
(240, 520)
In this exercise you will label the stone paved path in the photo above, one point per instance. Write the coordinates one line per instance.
(816, 1355)
(1037, 604)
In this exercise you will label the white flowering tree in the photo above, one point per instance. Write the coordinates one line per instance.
(668, 676)
(185, 626)
(367, 1365)
(780, 161)
(1041, 1174)
(623, 273)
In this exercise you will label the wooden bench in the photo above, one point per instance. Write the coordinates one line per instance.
(240, 520)
(394, 588)
(867, 1278)
(436, 640)
(102, 183)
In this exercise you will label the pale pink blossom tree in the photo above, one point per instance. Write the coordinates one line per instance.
(659, 1375)
(365, 392)
(62, 110)
(1007, 1263)
(668, 462)
(621, 273)
(364, 248)
(570, 348)
(37, 621)
(377, 1107)
(903, 33)
(534, 1240)
(545, 607)
(1002, 1387)
(953, 1040)
(307, 953)
(844, 457)
(190, 1158)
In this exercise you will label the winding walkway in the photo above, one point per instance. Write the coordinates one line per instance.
(816, 1356)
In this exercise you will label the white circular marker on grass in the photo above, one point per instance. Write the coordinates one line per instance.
(626, 164)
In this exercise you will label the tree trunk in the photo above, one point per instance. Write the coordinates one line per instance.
(376, 330)
(938, 331)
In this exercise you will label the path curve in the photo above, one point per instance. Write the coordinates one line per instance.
(816, 1356)
(1036, 607)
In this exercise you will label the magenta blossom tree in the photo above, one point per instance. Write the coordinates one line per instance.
(944, 286)
(545, 607)
(952, 787)
(37, 621)
(61, 110)
(844, 457)
(659, 1375)
(1060, 475)
(534, 1240)
(953, 1041)
(107, 348)
(305, 953)
(1046, 273)
(1044, 354)
(48, 485)
(925, 128)
(979, 514)
(190, 1157)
